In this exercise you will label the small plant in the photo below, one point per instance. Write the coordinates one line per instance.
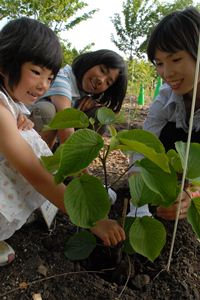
(86, 197)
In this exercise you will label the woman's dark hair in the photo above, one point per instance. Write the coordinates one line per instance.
(28, 40)
(177, 31)
(114, 95)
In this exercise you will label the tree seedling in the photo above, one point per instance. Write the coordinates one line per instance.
(86, 198)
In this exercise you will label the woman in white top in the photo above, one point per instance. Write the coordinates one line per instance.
(172, 48)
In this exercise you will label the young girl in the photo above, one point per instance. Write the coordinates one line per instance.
(173, 49)
(95, 79)
(30, 57)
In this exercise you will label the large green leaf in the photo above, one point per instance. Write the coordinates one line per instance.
(160, 182)
(147, 237)
(127, 248)
(146, 143)
(68, 118)
(105, 116)
(193, 215)
(52, 162)
(142, 136)
(86, 201)
(193, 170)
(80, 246)
(140, 193)
(80, 149)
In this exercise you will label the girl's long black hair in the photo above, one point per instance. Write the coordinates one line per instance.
(115, 94)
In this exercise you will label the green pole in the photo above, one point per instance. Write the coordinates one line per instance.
(157, 89)
(140, 99)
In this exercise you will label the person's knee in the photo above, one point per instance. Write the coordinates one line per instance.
(42, 114)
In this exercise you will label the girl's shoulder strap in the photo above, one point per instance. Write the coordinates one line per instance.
(4, 99)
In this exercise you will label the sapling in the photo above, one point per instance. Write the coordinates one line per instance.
(86, 197)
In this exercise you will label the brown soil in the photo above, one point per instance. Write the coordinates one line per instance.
(41, 268)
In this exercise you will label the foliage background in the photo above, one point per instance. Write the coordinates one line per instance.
(132, 29)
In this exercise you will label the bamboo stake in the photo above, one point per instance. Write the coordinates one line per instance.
(187, 152)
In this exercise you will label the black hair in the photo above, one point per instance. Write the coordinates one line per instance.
(177, 31)
(114, 95)
(28, 40)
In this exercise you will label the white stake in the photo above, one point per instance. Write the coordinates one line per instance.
(187, 152)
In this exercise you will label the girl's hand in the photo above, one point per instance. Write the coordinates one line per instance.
(109, 231)
(169, 213)
(23, 123)
(88, 103)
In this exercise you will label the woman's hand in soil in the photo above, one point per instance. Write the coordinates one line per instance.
(169, 213)
(23, 123)
(109, 231)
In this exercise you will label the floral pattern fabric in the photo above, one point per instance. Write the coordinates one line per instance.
(18, 199)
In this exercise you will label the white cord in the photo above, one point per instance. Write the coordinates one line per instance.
(187, 152)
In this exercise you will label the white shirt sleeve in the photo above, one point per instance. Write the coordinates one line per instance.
(159, 111)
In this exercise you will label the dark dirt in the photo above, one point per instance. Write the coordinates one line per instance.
(41, 268)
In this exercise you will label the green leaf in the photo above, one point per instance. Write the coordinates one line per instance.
(120, 118)
(52, 162)
(193, 215)
(146, 143)
(79, 150)
(86, 201)
(92, 121)
(112, 130)
(80, 246)
(140, 193)
(68, 118)
(195, 181)
(143, 136)
(147, 237)
(160, 182)
(106, 116)
(127, 248)
(193, 170)
(175, 161)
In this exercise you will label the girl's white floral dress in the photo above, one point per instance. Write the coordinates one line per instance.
(18, 199)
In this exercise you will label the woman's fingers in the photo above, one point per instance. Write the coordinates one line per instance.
(169, 213)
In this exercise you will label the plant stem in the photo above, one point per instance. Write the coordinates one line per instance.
(122, 223)
(103, 161)
(122, 175)
(124, 211)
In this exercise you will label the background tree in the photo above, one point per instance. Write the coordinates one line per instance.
(59, 15)
(137, 21)
(70, 52)
(141, 72)
(133, 27)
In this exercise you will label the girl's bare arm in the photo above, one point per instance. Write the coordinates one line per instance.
(21, 156)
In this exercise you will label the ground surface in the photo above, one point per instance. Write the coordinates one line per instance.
(41, 268)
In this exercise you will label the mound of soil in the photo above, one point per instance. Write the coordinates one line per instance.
(41, 268)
